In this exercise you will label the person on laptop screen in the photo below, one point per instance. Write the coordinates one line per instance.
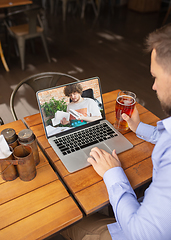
(82, 110)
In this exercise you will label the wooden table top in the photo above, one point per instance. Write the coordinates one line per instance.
(86, 185)
(14, 3)
(37, 208)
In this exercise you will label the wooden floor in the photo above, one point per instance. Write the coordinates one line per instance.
(110, 47)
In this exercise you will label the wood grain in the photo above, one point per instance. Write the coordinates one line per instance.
(95, 196)
(34, 119)
(16, 188)
(38, 208)
(12, 3)
(44, 223)
(31, 202)
(17, 126)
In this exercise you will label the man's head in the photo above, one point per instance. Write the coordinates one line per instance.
(74, 92)
(159, 42)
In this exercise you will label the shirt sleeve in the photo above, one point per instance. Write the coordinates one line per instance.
(147, 132)
(149, 220)
(118, 187)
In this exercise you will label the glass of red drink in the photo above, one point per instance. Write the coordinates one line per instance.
(125, 103)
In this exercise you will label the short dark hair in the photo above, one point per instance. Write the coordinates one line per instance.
(73, 88)
(160, 40)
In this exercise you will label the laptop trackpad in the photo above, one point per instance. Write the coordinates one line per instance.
(99, 145)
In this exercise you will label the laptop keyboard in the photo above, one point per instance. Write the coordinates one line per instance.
(84, 138)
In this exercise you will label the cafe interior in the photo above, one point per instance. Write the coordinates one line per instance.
(83, 39)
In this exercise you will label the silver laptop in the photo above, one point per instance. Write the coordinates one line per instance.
(74, 122)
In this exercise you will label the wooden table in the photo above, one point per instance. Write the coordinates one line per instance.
(86, 185)
(14, 3)
(37, 208)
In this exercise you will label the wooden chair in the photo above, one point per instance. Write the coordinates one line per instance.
(26, 31)
(38, 82)
(3, 58)
(2, 17)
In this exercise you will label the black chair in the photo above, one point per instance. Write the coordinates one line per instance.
(88, 93)
(38, 82)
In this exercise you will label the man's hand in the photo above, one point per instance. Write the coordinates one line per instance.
(132, 121)
(102, 160)
(64, 121)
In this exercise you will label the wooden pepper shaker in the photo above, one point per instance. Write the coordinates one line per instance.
(26, 137)
(11, 137)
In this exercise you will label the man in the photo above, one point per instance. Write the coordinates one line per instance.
(151, 219)
(86, 108)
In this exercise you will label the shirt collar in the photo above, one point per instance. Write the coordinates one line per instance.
(166, 123)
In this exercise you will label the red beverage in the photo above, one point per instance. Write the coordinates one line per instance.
(124, 104)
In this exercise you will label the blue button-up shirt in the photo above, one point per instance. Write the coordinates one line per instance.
(151, 219)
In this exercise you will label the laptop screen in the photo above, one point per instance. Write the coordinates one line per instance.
(74, 105)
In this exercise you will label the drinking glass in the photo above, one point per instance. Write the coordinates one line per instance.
(125, 103)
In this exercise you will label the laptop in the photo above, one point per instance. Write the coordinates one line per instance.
(74, 122)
